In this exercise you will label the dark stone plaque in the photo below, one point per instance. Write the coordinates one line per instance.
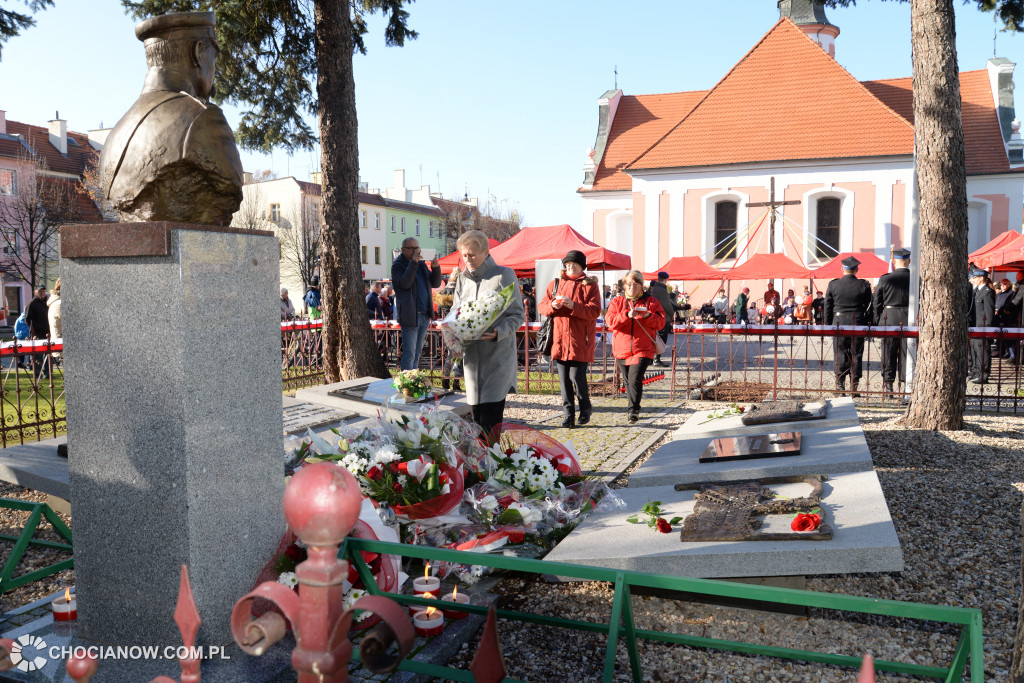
(784, 411)
(752, 447)
(382, 390)
(732, 511)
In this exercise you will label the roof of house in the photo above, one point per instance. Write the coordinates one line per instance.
(779, 102)
(409, 206)
(37, 138)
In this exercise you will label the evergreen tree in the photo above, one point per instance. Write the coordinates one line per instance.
(287, 58)
(13, 23)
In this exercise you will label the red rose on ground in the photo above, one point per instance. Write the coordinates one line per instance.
(663, 526)
(805, 522)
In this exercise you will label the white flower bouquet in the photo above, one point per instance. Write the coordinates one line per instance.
(472, 318)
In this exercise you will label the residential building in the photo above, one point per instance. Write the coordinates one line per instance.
(405, 219)
(44, 173)
(677, 174)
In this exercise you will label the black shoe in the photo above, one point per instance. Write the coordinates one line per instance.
(633, 418)
(981, 379)
(569, 423)
(657, 362)
(888, 388)
(841, 387)
(853, 388)
(585, 415)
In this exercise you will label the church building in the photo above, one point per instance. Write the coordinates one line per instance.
(675, 174)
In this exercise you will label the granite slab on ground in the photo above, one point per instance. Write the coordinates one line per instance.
(375, 392)
(864, 539)
(841, 412)
(823, 451)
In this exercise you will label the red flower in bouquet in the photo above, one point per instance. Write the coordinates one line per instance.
(375, 473)
(805, 522)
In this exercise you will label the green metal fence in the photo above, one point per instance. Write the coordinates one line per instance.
(621, 624)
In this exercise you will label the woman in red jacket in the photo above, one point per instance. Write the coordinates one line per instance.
(575, 307)
(635, 319)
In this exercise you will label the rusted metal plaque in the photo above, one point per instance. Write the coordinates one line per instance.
(784, 411)
(732, 511)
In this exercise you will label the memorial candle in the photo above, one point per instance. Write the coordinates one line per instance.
(429, 622)
(426, 583)
(460, 598)
(66, 608)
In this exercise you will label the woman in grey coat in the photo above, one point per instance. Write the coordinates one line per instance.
(491, 362)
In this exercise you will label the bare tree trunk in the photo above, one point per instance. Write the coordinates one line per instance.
(349, 347)
(939, 396)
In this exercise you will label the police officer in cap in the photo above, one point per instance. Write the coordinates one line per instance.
(981, 311)
(848, 302)
(890, 306)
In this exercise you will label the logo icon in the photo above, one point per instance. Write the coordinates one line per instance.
(25, 662)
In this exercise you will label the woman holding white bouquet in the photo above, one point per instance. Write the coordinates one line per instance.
(490, 361)
(574, 306)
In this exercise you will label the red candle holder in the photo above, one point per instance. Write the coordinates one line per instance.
(65, 609)
(428, 623)
(462, 599)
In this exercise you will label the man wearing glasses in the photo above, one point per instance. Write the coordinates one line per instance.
(413, 282)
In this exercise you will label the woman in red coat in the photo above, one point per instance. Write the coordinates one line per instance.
(574, 307)
(635, 319)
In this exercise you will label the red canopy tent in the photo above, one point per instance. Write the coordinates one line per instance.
(455, 258)
(767, 267)
(1001, 240)
(871, 266)
(529, 245)
(687, 268)
(1011, 254)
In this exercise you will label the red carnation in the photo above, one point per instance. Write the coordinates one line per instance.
(562, 467)
(397, 487)
(509, 450)
(374, 473)
(295, 553)
(805, 522)
(663, 526)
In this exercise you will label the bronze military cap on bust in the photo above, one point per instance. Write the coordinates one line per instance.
(172, 156)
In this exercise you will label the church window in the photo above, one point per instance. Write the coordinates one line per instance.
(725, 229)
(827, 244)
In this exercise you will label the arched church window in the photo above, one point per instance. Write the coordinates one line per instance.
(725, 229)
(827, 244)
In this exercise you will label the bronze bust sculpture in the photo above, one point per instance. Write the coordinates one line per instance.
(172, 156)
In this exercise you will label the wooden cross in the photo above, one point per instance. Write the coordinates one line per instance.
(772, 204)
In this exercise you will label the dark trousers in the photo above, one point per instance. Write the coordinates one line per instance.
(572, 380)
(633, 375)
(980, 360)
(849, 351)
(488, 416)
(894, 349)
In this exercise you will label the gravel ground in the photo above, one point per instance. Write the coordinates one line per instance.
(943, 490)
(11, 523)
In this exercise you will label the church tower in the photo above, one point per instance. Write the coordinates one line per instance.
(809, 15)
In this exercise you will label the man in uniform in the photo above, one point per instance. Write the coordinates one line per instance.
(848, 302)
(980, 313)
(890, 306)
(659, 290)
(172, 156)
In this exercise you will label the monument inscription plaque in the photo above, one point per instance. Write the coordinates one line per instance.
(736, 511)
(752, 447)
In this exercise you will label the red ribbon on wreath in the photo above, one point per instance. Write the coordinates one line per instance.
(439, 505)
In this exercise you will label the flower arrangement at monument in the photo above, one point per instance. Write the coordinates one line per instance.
(412, 383)
(806, 521)
(650, 514)
(732, 409)
(472, 318)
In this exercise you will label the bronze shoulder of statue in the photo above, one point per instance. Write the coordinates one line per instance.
(172, 156)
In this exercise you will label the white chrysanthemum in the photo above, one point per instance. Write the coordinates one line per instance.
(385, 454)
(289, 579)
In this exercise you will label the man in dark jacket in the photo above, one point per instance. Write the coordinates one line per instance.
(413, 280)
(659, 290)
(891, 307)
(373, 305)
(981, 313)
(848, 302)
(38, 319)
(742, 302)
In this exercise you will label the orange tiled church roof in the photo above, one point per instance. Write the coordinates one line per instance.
(786, 99)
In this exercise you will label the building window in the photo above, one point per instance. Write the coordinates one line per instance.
(417, 227)
(376, 255)
(11, 242)
(275, 213)
(431, 229)
(376, 221)
(827, 244)
(363, 251)
(725, 229)
(403, 225)
(392, 224)
(362, 221)
(6, 181)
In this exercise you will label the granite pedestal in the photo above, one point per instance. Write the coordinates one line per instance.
(864, 538)
(841, 413)
(172, 352)
(376, 391)
(823, 451)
